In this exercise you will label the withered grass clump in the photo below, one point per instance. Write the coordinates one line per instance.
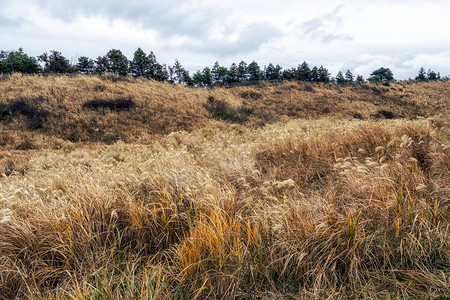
(119, 104)
(299, 209)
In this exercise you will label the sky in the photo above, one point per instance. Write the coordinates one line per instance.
(359, 35)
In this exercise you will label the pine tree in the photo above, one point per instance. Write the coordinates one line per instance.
(140, 65)
(178, 71)
(156, 70)
(55, 62)
(340, 78)
(207, 77)
(197, 79)
(160, 72)
(18, 61)
(421, 76)
(432, 75)
(101, 65)
(254, 71)
(242, 71)
(85, 65)
(303, 72)
(314, 74)
(232, 75)
(359, 79)
(117, 62)
(349, 77)
(381, 75)
(215, 73)
(272, 72)
(324, 75)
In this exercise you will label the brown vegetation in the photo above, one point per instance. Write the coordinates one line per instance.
(84, 109)
(332, 207)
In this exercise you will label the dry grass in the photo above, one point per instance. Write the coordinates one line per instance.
(184, 196)
(58, 112)
(312, 209)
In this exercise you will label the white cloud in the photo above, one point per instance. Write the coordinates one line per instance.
(347, 34)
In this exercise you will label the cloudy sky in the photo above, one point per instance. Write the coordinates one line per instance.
(359, 35)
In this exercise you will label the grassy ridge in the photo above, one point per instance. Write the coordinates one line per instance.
(331, 207)
(59, 108)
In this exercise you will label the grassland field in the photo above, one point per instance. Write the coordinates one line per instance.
(123, 188)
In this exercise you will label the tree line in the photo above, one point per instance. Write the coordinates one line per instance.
(146, 66)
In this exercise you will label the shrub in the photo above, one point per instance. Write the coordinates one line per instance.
(220, 109)
(118, 104)
(251, 95)
(22, 107)
(26, 144)
(358, 116)
(109, 138)
(384, 114)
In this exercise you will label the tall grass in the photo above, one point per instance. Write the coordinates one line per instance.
(297, 209)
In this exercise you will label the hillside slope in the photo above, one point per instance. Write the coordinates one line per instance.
(118, 188)
(48, 110)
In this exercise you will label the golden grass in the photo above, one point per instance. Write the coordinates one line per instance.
(321, 208)
(162, 108)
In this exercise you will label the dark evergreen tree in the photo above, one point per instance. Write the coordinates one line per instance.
(117, 62)
(314, 75)
(3, 65)
(18, 61)
(140, 65)
(432, 75)
(197, 79)
(289, 74)
(422, 76)
(340, 78)
(178, 72)
(381, 75)
(272, 72)
(359, 79)
(55, 62)
(324, 75)
(159, 72)
(171, 74)
(242, 71)
(303, 72)
(101, 65)
(207, 77)
(349, 77)
(85, 65)
(254, 71)
(215, 73)
(232, 76)
(186, 79)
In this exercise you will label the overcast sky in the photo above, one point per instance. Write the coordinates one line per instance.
(359, 35)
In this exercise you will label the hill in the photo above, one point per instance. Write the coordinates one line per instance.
(48, 110)
(135, 189)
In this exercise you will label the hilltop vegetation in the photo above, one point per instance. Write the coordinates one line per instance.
(147, 66)
(122, 188)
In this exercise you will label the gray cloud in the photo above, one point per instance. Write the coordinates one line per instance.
(172, 17)
(250, 39)
(323, 28)
(9, 23)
